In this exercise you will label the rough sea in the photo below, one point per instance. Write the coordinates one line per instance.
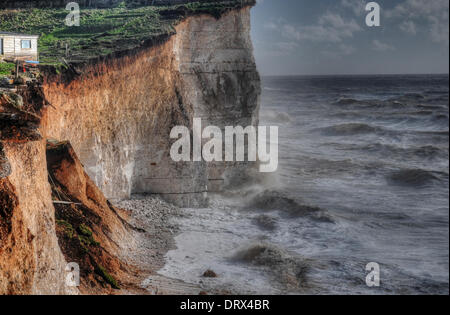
(363, 177)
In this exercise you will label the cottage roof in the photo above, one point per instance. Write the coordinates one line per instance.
(17, 34)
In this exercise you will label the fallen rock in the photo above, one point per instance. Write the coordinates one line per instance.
(209, 274)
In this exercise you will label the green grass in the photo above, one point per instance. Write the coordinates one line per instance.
(68, 229)
(85, 236)
(101, 31)
(6, 68)
(84, 230)
(101, 271)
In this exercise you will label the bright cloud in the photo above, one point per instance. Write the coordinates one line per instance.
(434, 13)
(330, 27)
(380, 46)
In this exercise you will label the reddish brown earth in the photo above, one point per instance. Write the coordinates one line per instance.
(87, 225)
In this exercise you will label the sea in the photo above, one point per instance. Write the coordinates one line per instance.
(361, 193)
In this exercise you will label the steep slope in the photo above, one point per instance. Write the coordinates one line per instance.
(91, 232)
(30, 258)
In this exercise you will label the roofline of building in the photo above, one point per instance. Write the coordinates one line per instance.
(18, 34)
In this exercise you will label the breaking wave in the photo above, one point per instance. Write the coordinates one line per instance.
(410, 99)
(349, 129)
(414, 177)
(372, 103)
(276, 117)
(287, 269)
(273, 200)
(424, 152)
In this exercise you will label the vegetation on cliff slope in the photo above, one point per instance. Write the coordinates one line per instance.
(81, 213)
(102, 31)
(6, 68)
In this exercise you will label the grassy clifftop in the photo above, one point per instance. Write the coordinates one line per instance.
(103, 31)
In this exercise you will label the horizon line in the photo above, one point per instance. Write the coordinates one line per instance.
(350, 74)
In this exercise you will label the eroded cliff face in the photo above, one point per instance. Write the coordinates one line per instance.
(31, 260)
(220, 82)
(117, 115)
(118, 118)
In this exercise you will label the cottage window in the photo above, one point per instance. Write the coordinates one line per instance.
(26, 44)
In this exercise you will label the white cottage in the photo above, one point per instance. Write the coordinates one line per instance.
(18, 46)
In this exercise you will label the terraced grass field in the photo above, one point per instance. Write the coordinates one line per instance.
(101, 31)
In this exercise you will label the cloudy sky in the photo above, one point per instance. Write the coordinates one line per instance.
(331, 37)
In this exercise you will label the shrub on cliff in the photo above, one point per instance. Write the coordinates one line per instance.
(6, 68)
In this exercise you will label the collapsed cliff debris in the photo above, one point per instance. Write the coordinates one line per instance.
(17, 124)
(21, 101)
(84, 220)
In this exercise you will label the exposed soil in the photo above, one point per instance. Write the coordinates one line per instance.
(85, 223)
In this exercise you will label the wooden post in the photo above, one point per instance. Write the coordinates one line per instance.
(16, 74)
